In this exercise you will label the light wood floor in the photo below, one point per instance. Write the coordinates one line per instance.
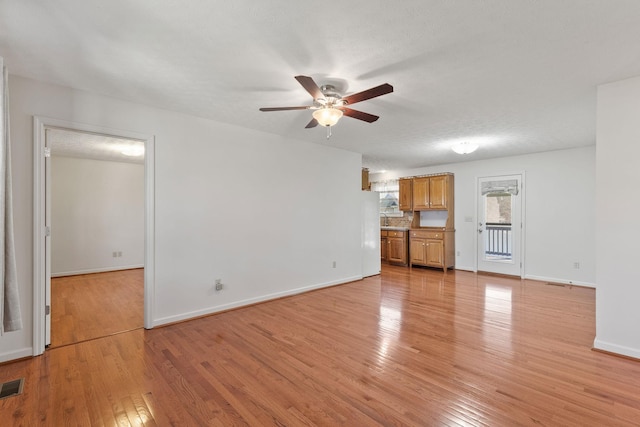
(409, 347)
(89, 306)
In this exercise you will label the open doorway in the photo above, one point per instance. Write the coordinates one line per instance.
(96, 188)
(114, 262)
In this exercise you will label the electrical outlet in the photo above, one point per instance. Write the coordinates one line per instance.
(576, 265)
(219, 284)
(119, 254)
(115, 254)
(458, 253)
(334, 264)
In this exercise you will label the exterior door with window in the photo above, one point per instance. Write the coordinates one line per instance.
(500, 224)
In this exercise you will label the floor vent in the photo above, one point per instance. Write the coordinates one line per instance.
(11, 388)
(562, 285)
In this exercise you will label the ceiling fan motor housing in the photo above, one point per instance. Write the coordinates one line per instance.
(331, 95)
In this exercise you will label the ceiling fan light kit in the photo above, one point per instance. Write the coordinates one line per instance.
(327, 116)
(329, 106)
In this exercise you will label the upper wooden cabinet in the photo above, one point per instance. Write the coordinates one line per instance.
(366, 185)
(432, 192)
(406, 194)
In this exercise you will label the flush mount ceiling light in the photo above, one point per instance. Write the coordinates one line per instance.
(464, 147)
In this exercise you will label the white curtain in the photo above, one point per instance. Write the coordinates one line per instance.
(9, 297)
(507, 186)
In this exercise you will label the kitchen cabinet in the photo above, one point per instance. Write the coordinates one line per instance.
(406, 194)
(432, 248)
(383, 245)
(393, 246)
(432, 192)
(366, 185)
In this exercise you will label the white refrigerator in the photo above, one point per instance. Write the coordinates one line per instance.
(370, 233)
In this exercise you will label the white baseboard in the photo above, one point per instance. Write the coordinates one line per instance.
(564, 281)
(617, 349)
(17, 354)
(96, 270)
(236, 304)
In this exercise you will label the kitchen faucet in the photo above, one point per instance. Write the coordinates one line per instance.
(386, 219)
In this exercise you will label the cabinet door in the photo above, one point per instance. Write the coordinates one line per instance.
(406, 194)
(383, 248)
(417, 251)
(421, 193)
(435, 253)
(438, 192)
(397, 249)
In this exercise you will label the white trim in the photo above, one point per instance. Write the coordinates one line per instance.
(149, 231)
(464, 268)
(563, 281)
(15, 355)
(96, 270)
(618, 349)
(39, 272)
(263, 298)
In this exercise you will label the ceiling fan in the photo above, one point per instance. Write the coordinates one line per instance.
(329, 106)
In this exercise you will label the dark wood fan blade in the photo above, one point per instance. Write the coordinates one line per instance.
(383, 89)
(369, 118)
(283, 108)
(310, 86)
(313, 123)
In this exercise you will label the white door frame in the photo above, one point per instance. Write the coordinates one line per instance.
(522, 217)
(39, 220)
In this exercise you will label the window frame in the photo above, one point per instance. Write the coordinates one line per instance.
(384, 190)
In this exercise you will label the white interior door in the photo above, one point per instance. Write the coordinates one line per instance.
(500, 224)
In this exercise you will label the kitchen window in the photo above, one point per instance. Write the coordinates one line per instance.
(389, 192)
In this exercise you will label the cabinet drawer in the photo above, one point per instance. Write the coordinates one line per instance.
(395, 233)
(383, 233)
(427, 234)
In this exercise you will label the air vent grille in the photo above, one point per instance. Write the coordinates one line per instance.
(11, 388)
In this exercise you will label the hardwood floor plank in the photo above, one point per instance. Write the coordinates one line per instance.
(89, 306)
(410, 347)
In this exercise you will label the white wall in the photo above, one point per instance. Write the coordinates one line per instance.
(97, 208)
(559, 210)
(618, 214)
(256, 210)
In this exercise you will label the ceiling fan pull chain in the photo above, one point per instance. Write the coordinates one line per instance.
(328, 131)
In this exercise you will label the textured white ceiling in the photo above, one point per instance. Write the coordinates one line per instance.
(518, 76)
(66, 143)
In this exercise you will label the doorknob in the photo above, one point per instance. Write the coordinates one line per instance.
(480, 224)
(479, 230)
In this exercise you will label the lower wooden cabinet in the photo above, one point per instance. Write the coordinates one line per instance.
(393, 246)
(383, 245)
(432, 248)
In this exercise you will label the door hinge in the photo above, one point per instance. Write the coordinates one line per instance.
(47, 231)
(46, 152)
(47, 310)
